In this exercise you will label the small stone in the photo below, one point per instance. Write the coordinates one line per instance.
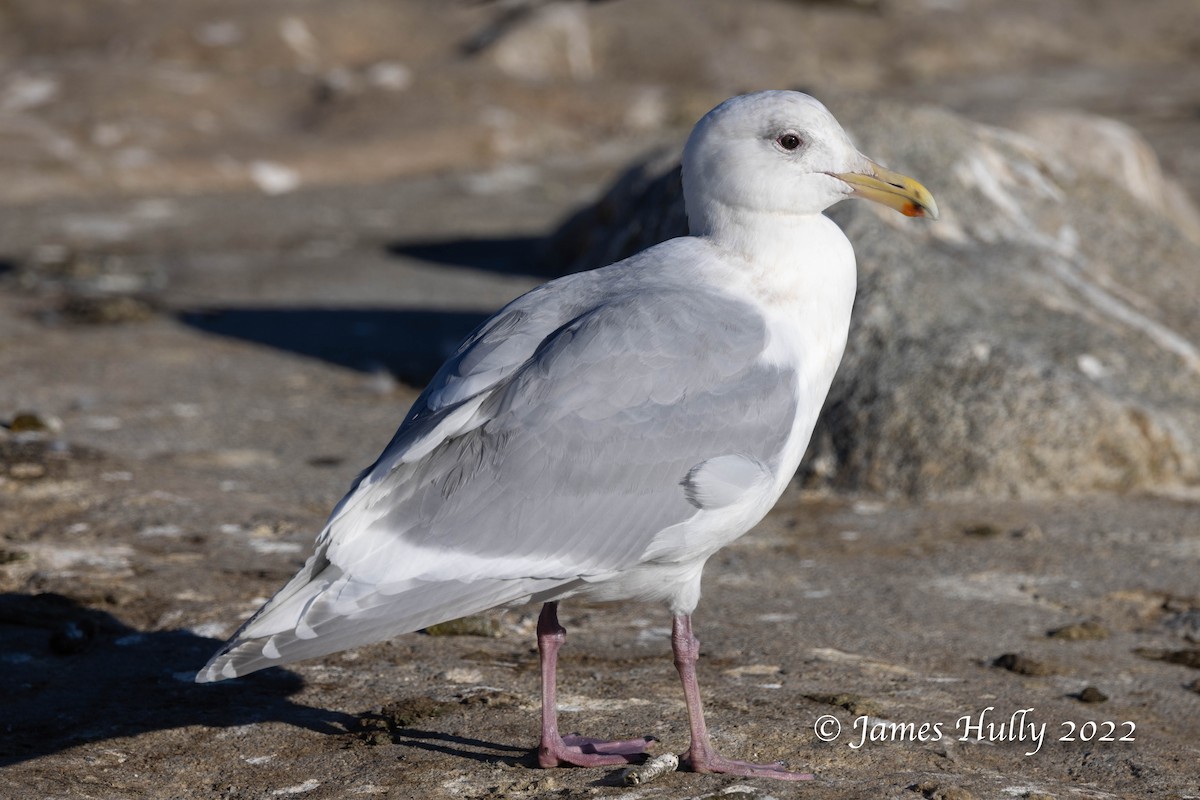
(1022, 665)
(273, 178)
(1031, 533)
(1091, 694)
(1080, 631)
(404, 713)
(1185, 623)
(1187, 658)
(981, 531)
(653, 769)
(493, 698)
(853, 703)
(11, 556)
(29, 422)
(72, 637)
(325, 461)
(953, 793)
(106, 309)
(26, 471)
(461, 675)
(935, 791)
(390, 75)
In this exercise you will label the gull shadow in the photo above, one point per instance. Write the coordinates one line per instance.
(409, 343)
(464, 747)
(71, 675)
(412, 343)
(509, 255)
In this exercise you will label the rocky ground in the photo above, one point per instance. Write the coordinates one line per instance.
(236, 239)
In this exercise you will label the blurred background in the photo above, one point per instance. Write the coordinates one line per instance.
(363, 181)
(121, 97)
(236, 238)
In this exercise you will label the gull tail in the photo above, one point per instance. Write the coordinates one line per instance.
(323, 611)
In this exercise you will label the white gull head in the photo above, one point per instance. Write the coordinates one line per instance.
(783, 154)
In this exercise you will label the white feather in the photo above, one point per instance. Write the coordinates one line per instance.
(584, 440)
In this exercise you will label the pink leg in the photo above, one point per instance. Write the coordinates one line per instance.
(555, 750)
(701, 756)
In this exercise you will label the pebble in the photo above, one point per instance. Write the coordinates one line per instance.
(653, 769)
(72, 637)
(273, 178)
(1080, 631)
(1185, 623)
(1022, 665)
(1187, 658)
(935, 791)
(33, 422)
(853, 703)
(106, 309)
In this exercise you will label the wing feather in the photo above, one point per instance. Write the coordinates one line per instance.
(551, 448)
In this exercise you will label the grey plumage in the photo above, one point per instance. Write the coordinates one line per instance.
(561, 438)
(605, 434)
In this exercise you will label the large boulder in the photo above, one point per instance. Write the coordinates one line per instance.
(1041, 338)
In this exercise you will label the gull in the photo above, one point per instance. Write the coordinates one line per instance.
(603, 435)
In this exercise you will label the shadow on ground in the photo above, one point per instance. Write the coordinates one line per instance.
(73, 675)
(409, 343)
(509, 255)
(464, 747)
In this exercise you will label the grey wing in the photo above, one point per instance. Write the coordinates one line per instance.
(627, 419)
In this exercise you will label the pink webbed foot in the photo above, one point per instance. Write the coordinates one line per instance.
(560, 751)
(581, 751)
(701, 756)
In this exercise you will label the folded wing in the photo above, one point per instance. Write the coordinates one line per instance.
(565, 434)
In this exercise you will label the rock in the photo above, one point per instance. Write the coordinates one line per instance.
(410, 710)
(1039, 339)
(1088, 629)
(851, 702)
(107, 309)
(33, 422)
(73, 637)
(31, 456)
(1185, 623)
(653, 769)
(935, 791)
(1108, 148)
(551, 42)
(1023, 665)
(12, 556)
(1187, 658)
(1091, 694)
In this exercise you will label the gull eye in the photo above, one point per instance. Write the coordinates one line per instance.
(789, 141)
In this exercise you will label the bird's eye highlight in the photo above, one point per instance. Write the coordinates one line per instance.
(789, 141)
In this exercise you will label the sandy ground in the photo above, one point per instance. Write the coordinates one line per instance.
(205, 370)
(190, 474)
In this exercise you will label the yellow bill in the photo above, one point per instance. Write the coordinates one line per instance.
(892, 189)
